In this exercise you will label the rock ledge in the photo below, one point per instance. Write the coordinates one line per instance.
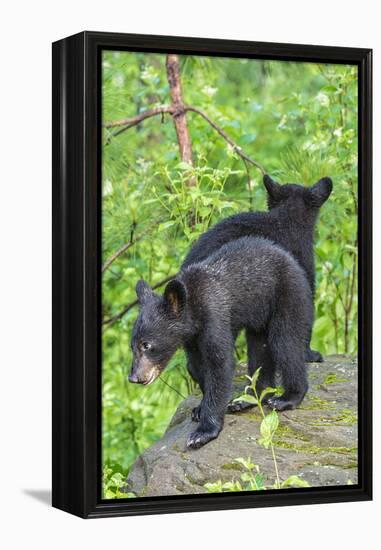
(317, 442)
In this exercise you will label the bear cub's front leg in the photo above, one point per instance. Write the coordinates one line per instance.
(218, 367)
(211, 421)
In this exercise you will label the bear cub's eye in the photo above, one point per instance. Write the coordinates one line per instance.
(146, 346)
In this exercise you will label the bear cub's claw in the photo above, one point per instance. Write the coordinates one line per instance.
(282, 403)
(313, 356)
(238, 406)
(196, 411)
(199, 437)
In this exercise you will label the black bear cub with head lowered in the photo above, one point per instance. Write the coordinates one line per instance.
(290, 222)
(249, 283)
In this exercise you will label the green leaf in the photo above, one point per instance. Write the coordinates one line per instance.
(268, 427)
(214, 487)
(254, 378)
(166, 225)
(246, 462)
(295, 481)
(329, 88)
(266, 391)
(246, 476)
(247, 398)
(321, 325)
(248, 138)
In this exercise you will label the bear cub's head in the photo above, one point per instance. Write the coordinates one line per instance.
(295, 195)
(157, 331)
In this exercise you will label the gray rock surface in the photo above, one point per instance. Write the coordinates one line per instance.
(317, 442)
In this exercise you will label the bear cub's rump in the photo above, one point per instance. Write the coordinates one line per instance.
(250, 284)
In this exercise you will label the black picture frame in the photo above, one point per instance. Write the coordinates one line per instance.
(77, 283)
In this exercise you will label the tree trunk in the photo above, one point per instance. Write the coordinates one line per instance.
(179, 114)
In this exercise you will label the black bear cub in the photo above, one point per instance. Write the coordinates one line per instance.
(250, 284)
(290, 222)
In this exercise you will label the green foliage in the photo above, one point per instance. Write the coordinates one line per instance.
(252, 478)
(297, 119)
(270, 421)
(113, 482)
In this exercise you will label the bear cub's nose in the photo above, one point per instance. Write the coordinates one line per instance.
(133, 378)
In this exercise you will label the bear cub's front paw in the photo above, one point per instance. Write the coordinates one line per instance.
(284, 403)
(199, 437)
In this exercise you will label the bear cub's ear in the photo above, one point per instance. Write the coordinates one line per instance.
(143, 291)
(175, 296)
(320, 192)
(272, 187)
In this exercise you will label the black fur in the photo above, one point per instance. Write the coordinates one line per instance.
(290, 222)
(250, 284)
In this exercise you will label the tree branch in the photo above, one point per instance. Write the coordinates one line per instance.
(128, 245)
(111, 320)
(130, 122)
(133, 121)
(120, 251)
(236, 148)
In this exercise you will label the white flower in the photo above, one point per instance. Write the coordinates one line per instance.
(283, 123)
(323, 99)
(209, 90)
(107, 188)
(119, 80)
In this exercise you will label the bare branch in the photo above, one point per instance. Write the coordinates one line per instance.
(111, 320)
(133, 121)
(249, 189)
(236, 148)
(352, 288)
(128, 245)
(171, 109)
(119, 252)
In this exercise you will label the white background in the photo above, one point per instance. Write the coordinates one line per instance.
(27, 29)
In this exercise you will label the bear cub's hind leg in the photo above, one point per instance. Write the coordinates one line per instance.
(258, 356)
(288, 352)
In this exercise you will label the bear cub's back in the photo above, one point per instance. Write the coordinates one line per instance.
(249, 269)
